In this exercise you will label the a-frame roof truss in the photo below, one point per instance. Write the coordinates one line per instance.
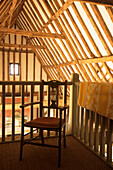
(80, 51)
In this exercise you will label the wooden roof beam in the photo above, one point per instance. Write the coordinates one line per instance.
(98, 2)
(83, 61)
(31, 33)
(97, 60)
(69, 2)
(16, 51)
(61, 65)
(22, 46)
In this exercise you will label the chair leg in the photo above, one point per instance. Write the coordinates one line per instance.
(64, 134)
(42, 138)
(21, 149)
(21, 145)
(59, 150)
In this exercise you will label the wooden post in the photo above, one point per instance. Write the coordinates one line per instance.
(3, 113)
(32, 90)
(91, 130)
(86, 126)
(102, 137)
(109, 140)
(3, 63)
(96, 138)
(13, 112)
(82, 124)
(73, 103)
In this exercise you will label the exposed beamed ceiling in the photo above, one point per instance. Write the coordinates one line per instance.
(87, 27)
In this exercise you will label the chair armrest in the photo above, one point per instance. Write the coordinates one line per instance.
(29, 104)
(57, 107)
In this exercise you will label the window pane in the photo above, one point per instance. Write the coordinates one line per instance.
(16, 69)
(12, 69)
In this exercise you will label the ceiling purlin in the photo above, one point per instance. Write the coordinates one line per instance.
(63, 45)
(34, 16)
(71, 48)
(4, 8)
(102, 23)
(59, 52)
(98, 2)
(46, 41)
(85, 44)
(21, 26)
(31, 33)
(28, 8)
(68, 3)
(58, 24)
(13, 6)
(73, 44)
(101, 38)
(48, 22)
(90, 38)
(16, 12)
(81, 68)
(110, 12)
(4, 14)
(30, 28)
(61, 28)
(96, 28)
(78, 43)
(54, 41)
(49, 52)
(21, 46)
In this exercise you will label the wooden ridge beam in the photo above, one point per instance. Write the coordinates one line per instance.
(22, 46)
(31, 33)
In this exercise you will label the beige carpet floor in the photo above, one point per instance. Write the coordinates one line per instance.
(74, 157)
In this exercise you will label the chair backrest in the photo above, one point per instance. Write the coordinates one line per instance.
(56, 92)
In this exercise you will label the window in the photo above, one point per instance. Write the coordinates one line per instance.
(12, 69)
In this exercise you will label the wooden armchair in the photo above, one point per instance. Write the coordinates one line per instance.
(42, 123)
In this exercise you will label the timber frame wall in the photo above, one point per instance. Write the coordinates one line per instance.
(29, 67)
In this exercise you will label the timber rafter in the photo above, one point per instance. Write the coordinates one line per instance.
(75, 50)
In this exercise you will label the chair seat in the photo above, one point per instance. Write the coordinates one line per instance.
(45, 123)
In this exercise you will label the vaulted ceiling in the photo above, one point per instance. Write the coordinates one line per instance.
(75, 36)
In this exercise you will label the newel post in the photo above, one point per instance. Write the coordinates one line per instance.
(73, 102)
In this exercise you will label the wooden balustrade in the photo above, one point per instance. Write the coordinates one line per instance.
(13, 95)
(92, 129)
(21, 94)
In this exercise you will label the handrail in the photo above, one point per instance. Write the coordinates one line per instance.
(27, 83)
(92, 129)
